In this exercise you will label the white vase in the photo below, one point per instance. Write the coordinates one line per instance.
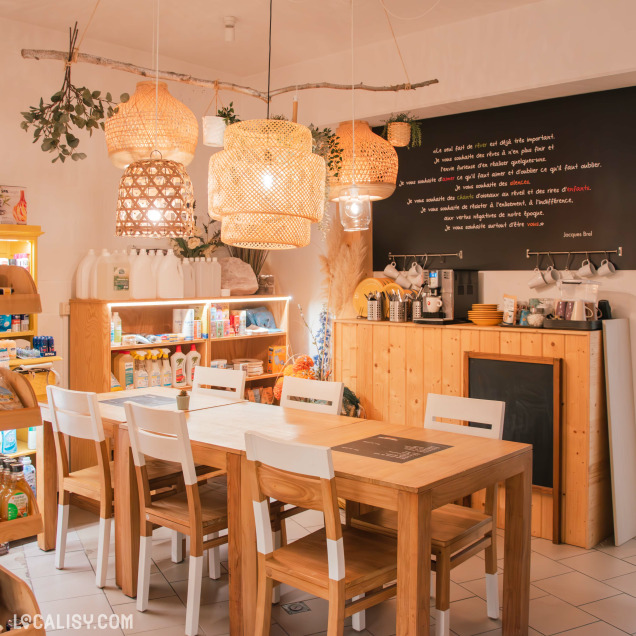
(213, 131)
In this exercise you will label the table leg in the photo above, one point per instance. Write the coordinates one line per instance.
(46, 477)
(126, 515)
(241, 548)
(414, 564)
(516, 594)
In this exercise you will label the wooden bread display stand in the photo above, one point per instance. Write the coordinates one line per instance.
(17, 599)
(20, 418)
(25, 298)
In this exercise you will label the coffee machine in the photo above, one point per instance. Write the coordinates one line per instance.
(458, 290)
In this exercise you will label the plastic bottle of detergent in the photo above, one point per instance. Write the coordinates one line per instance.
(99, 274)
(124, 369)
(199, 277)
(153, 367)
(166, 369)
(143, 284)
(189, 279)
(193, 360)
(177, 364)
(83, 275)
(214, 272)
(140, 375)
(170, 277)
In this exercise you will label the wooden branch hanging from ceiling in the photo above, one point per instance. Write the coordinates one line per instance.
(184, 78)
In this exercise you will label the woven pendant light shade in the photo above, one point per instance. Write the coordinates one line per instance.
(131, 132)
(266, 186)
(376, 163)
(155, 199)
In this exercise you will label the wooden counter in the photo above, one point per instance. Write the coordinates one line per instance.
(393, 366)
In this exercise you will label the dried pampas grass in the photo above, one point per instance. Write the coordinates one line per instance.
(343, 265)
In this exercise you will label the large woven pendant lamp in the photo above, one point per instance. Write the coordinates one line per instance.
(369, 166)
(266, 186)
(130, 132)
(155, 194)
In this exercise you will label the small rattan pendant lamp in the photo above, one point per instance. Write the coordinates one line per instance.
(266, 186)
(155, 195)
(369, 166)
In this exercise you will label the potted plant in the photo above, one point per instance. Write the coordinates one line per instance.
(214, 125)
(183, 400)
(402, 130)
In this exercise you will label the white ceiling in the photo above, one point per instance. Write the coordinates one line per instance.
(192, 30)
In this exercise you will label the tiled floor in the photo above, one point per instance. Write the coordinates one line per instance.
(574, 592)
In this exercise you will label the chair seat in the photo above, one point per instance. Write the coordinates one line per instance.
(450, 524)
(86, 481)
(174, 509)
(368, 558)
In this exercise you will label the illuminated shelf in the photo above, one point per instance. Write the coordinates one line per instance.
(16, 334)
(256, 335)
(17, 362)
(22, 450)
(264, 376)
(156, 345)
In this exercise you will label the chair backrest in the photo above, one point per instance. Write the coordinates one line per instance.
(161, 435)
(297, 390)
(298, 474)
(225, 383)
(452, 407)
(75, 413)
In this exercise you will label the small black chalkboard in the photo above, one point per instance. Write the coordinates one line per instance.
(390, 448)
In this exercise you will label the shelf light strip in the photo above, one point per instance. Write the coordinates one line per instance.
(197, 301)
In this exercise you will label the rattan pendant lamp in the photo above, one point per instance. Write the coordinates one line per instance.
(155, 194)
(369, 166)
(266, 186)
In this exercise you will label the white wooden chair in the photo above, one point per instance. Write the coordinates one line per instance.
(76, 414)
(312, 395)
(200, 512)
(457, 532)
(225, 383)
(333, 563)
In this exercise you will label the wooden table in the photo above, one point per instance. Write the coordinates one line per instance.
(413, 489)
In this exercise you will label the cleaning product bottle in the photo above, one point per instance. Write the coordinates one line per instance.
(189, 281)
(143, 284)
(166, 369)
(29, 472)
(32, 438)
(119, 279)
(199, 277)
(125, 370)
(177, 364)
(116, 330)
(83, 275)
(193, 360)
(156, 262)
(154, 368)
(99, 276)
(140, 375)
(170, 277)
(214, 270)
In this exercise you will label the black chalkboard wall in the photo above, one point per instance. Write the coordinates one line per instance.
(528, 391)
(557, 175)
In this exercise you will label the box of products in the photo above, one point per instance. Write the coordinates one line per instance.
(13, 205)
(276, 358)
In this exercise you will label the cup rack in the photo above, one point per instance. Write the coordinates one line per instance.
(426, 256)
(618, 252)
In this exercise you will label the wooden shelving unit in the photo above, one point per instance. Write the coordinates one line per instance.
(17, 598)
(91, 352)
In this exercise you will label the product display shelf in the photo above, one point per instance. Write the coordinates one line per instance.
(23, 450)
(17, 598)
(92, 356)
(157, 345)
(17, 362)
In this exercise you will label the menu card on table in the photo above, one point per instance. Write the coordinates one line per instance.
(390, 448)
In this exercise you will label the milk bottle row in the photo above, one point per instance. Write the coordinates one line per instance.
(146, 275)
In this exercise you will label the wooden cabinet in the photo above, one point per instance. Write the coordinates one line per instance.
(393, 366)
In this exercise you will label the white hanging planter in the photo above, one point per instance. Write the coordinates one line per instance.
(213, 131)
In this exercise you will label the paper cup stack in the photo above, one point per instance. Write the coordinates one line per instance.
(485, 315)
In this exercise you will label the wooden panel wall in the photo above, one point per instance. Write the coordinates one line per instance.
(392, 368)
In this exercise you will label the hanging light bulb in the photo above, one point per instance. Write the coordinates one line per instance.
(355, 210)
(155, 195)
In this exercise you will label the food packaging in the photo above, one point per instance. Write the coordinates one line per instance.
(13, 205)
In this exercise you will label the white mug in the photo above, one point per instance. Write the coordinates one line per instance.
(416, 275)
(391, 271)
(537, 279)
(403, 281)
(607, 268)
(433, 304)
(587, 268)
(580, 311)
(551, 275)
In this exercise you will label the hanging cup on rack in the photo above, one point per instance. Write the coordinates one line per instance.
(537, 279)
(391, 270)
(607, 268)
(587, 269)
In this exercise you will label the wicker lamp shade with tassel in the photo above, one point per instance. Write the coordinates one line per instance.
(155, 199)
(376, 163)
(266, 186)
(144, 123)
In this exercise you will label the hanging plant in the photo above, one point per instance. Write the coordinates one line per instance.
(71, 107)
(402, 130)
(227, 114)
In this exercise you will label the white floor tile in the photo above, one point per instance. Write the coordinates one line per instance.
(64, 611)
(628, 549)
(478, 588)
(625, 583)
(215, 619)
(53, 588)
(159, 588)
(550, 615)
(469, 617)
(619, 611)
(542, 567)
(599, 565)
(212, 590)
(44, 565)
(162, 613)
(554, 551)
(576, 588)
(594, 629)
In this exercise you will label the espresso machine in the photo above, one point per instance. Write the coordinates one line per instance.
(457, 289)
